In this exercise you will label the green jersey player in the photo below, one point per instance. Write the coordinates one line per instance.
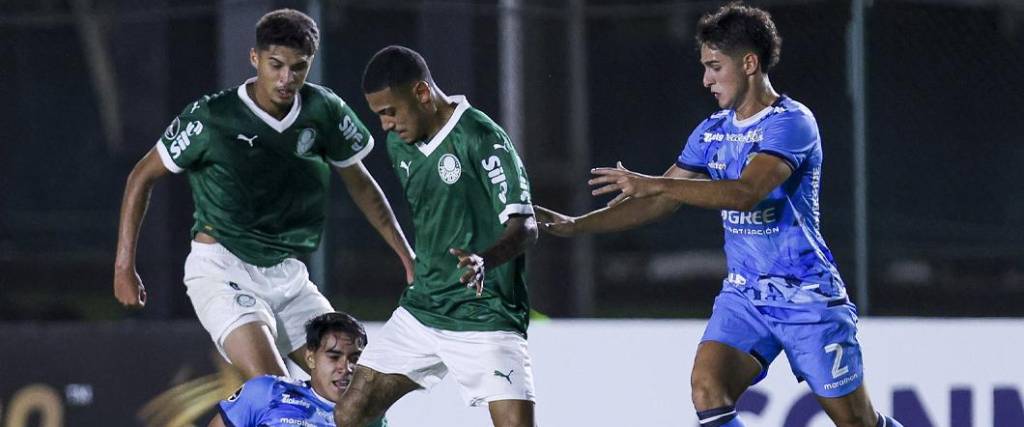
(258, 159)
(470, 202)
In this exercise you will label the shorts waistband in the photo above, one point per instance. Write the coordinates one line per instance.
(211, 249)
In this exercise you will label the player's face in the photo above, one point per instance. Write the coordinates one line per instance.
(724, 76)
(280, 73)
(401, 110)
(331, 366)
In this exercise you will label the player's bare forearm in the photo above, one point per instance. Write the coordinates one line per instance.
(133, 208)
(763, 174)
(627, 215)
(368, 196)
(520, 232)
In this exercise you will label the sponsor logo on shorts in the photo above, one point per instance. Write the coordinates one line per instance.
(507, 377)
(245, 300)
(842, 382)
(449, 168)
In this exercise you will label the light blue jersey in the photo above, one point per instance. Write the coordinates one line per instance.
(271, 401)
(775, 252)
(783, 292)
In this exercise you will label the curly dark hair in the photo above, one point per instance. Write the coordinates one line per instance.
(337, 321)
(290, 28)
(736, 27)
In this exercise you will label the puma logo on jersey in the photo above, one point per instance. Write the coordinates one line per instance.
(500, 147)
(249, 140)
(405, 165)
(497, 175)
(507, 377)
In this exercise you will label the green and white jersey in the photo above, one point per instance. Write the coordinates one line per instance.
(462, 186)
(260, 184)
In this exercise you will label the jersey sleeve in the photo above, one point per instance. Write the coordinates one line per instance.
(691, 158)
(347, 141)
(244, 408)
(185, 141)
(503, 176)
(792, 136)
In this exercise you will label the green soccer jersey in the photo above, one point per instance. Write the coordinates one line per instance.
(462, 186)
(259, 184)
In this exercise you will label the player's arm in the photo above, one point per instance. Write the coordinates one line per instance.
(763, 174)
(627, 215)
(520, 232)
(128, 288)
(217, 421)
(374, 205)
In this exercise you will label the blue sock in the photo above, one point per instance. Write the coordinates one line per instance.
(720, 417)
(886, 421)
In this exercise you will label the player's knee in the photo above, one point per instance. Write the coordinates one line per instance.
(708, 392)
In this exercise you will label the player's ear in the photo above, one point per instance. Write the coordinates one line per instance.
(253, 57)
(310, 361)
(421, 90)
(751, 63)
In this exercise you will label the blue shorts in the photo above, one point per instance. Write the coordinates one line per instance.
(820, 339)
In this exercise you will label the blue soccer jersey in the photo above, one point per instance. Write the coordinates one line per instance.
(271, 401)
(775, 252)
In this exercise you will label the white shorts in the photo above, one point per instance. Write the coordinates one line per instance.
(488, 365)
(227, 292)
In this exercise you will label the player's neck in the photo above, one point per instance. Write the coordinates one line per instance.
(265, 104)
(760, 95)
(443, 113)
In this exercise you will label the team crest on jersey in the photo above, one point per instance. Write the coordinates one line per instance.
(449, 168)
(306, 137)
(173, 129)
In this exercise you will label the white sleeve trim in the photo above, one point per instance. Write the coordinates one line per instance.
(355, 157)
(165, 158)
(514, 209)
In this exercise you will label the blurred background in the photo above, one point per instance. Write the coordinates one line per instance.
(91, 84)
(922, 196)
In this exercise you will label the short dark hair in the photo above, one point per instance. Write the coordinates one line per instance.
(736, 26)
(289, 28)
(337, 321)
(394, 66)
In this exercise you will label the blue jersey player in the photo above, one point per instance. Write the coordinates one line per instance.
(758, 161)
(334, 342)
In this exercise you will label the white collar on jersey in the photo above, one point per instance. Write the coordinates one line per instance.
(461, 106)
(278, 125)
(752, 119)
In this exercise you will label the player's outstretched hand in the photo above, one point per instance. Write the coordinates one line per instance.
(128, 289)
(552, 222)
(627, 182)
(474, 266)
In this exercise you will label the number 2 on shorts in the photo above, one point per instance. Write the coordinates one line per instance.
(837, 370)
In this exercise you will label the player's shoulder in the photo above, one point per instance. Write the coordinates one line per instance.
(480, 126)
(793, 115)
(208, 103)
(314, 94)
(715, 118)
(789, 108)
